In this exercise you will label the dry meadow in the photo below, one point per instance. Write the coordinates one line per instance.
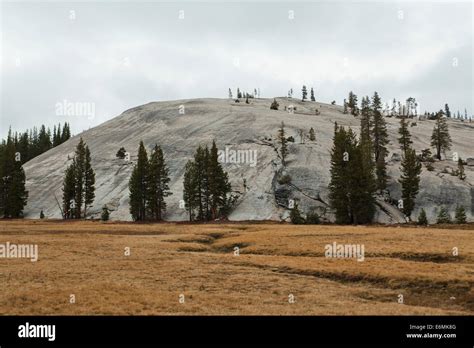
(194, 269)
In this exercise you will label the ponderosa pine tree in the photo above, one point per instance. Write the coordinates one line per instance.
(158, 184)
(405, 136)
(138, 185)
(440, 138)
(379, 142)
(410, 180)
(283, 143)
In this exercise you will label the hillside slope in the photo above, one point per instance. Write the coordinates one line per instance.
(239, 126)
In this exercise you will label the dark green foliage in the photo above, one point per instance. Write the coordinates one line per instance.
(283, 143)
(158, 185)
(460, 215)
(121, 153)
(312, 218)
(304, 93)
(312, 95)
(443, 216)
(352, 186)
(422, 219)
(440, 138)
(447, 111)
(295, 216)
(379, 142)
(41, 214)
(284, 179)
(138, 185)
(105, 215)
(461, 173)
(13, 195)
(69, 191)
(410, 180)
(352, 104)
(274, 105)
(405, 137)
(79, 184)
(206, 186)
(312, 135)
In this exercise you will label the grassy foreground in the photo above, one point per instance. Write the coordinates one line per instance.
(194, 270)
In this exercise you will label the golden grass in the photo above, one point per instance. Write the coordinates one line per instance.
(87, 259)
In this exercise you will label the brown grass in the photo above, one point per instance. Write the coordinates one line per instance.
(87, 259)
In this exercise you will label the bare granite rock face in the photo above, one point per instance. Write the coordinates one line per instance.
(248, 134)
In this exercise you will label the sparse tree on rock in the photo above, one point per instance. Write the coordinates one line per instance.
(440, 138)
(405, 137)
(283, 143)
(304, 93)
(312, 95)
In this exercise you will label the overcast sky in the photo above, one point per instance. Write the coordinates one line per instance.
(115, 56)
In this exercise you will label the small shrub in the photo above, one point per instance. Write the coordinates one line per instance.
(443, 216)
(105, 214)
(290, 139)
(295, 216)
(312, 218)
(285, 179)
(121, 153)
(41, 214)
(274, 105)
(422, 219)
(460, 215)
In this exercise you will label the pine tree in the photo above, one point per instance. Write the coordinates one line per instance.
(461, 173)
(230, 93)
(460, 215)
(283, 143)
(66, 134)
(105, 214)
(422, 219)
(352, 103)
(190, 189)
(365, 120)
(219, 186)
(447, 111)
(405, 137)
(440, 138)
(80, 162)
(69, 191)
(138, 185)
(158, 184)
(206, 186)
(312, 95)
(274, 105)
(379, 141)
(352, 185)
(295, 215)
(13, 194)
(304, 93)
(410, 180)
(345, 107)
(44, 140)
(239, 94)
(41, 214)
(89, 181)
(121, 153)
(443, 216)
(312, 135)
